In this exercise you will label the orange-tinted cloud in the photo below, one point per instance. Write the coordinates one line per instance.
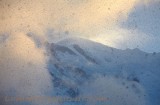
(85, 17)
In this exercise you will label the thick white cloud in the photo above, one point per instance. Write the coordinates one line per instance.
(22, 69)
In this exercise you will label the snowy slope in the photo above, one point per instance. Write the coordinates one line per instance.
(81, 68)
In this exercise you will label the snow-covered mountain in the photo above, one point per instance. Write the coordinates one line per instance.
(81, 68)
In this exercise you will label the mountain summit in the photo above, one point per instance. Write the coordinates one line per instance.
(80, 68)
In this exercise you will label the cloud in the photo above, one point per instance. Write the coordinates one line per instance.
(86, 17)
(139, 30)
(22, 70)
(36, 39)
(32, 22)
(145, 18)
(102, 21)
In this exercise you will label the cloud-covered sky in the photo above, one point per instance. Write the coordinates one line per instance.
(139, 29)
(25, 25)
(145, 17)
(117, 23)
(78, 16)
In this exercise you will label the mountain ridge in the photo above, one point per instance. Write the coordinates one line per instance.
(73, 62)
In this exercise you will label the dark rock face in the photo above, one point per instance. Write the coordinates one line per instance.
(58, 48)
(57, 70)
(82, 52)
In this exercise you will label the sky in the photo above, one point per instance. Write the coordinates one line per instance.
(117, 23)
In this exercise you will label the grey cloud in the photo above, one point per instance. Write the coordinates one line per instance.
(145, 17)
(36, 39)
(3, 37)
(53, 35)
